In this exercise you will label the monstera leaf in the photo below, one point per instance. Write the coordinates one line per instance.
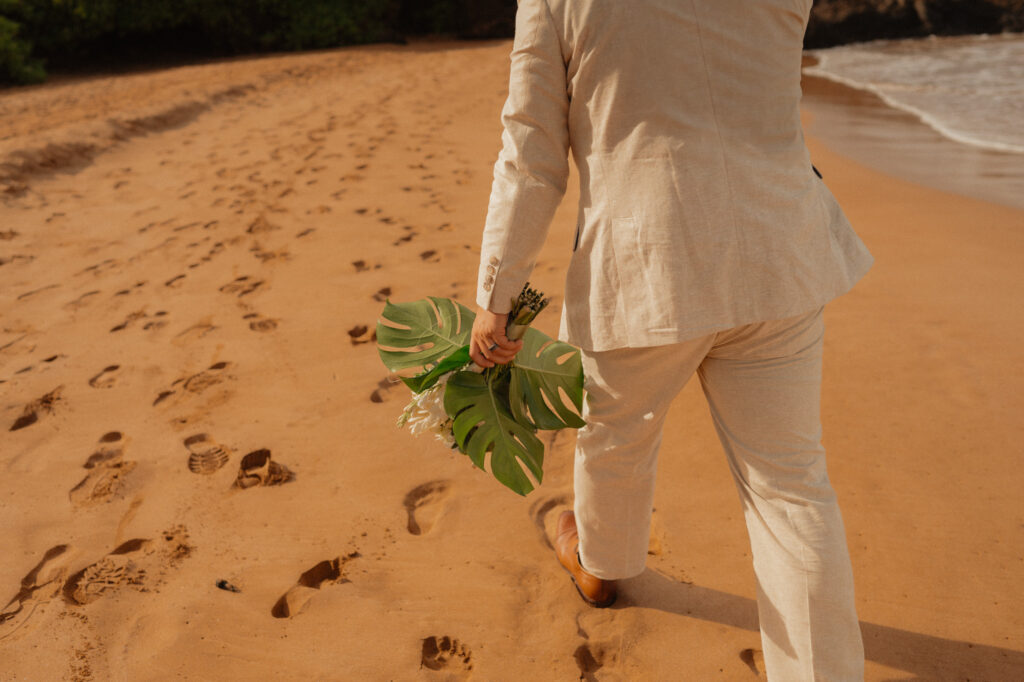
(498, 410)
(420, 333)
(484, 423)
(541, 371)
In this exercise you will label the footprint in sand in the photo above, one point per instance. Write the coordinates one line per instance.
(132, 317)
(424, 504)
(589, 660)
(38, 587)
(260, 324)
(404, 239)
(754, 658)
(211, 376)
(257, 468)
(106, 378)
(261, 225)
(107, 471)
(125, 292)
(99, 268)
(597, 653)
(40, 406)
(80, 301)
(174, 282)
(358, 334)
(205, 455)
(382, 294)
(30, 368)
(194, 332)
(327, 572)
(383, 390)
(361, 265)
(139, 563)
(159, 321)
(265, 255)
(545, 512)
(242, 286)
(447, 654)
(430, 256)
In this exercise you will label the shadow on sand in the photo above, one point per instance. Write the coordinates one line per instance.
(925, 656)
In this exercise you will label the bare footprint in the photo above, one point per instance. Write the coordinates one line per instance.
(106, 378)
(446, 653)
(327, 572)
(424, 505)
(107, 471)
(139, 563)
(40, 406)
(383, 390)
(257, 468)
(38, 587)
(205, 455)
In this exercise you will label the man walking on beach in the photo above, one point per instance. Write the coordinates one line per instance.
(706, 243)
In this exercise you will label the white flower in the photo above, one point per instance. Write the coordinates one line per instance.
(425, 413)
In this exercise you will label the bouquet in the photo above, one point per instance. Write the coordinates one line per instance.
(495, 411)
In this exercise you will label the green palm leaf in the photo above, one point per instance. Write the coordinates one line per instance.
(419, 333)
(540, 369)
(483, 423)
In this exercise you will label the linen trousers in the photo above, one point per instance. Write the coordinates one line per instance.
(762, 382)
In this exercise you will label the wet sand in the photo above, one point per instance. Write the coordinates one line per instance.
(201, 476)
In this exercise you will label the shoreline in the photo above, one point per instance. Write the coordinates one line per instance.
(861, 125)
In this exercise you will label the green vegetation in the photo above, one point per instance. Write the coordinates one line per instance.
(70, 33)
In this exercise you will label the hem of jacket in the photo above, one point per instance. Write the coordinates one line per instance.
(668, 336)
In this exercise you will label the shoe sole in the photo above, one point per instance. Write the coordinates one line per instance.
(596, 604)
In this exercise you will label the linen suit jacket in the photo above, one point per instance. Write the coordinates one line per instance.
(699, 208)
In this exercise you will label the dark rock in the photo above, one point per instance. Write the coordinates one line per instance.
(835, 22)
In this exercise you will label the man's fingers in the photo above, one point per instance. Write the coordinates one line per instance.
(479, 354)
(503, 342)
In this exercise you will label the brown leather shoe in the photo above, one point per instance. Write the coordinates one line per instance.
(594, 590)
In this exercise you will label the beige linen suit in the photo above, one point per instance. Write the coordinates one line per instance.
(705, 242)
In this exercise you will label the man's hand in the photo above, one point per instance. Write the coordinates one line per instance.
(488, 330)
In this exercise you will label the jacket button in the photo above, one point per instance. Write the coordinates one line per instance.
(494, 260)
(491, 269)
(487, 286)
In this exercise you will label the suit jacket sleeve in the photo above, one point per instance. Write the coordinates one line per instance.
(532, 169)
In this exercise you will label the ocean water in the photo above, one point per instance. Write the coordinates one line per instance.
(968, 88)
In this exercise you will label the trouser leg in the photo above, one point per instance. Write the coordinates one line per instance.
(628, 394)
(763, 386)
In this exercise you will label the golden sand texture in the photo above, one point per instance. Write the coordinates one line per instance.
(200, 475)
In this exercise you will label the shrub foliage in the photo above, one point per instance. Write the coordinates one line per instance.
(59, 33)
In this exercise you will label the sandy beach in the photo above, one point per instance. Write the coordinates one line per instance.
(200, 473)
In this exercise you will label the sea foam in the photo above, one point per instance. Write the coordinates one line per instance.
(968, 88)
